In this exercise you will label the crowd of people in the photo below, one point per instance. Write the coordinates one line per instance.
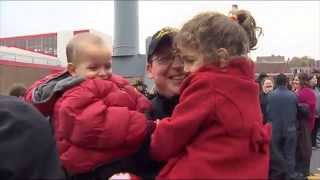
(205, 119)
(292, 106)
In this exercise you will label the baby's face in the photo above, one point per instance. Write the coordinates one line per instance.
(94, 62)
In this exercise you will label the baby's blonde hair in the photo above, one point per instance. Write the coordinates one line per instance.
(75, 44)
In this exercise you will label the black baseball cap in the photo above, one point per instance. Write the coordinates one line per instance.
(165, 34)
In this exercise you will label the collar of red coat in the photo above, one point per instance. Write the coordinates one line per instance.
(238, 66)
(61, 81)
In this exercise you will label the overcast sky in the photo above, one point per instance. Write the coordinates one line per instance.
(290, 28)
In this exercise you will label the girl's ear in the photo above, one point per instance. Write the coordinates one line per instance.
(223, 57)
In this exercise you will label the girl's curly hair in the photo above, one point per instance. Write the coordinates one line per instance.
(209, 31)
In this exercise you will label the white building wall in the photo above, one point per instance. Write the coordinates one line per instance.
(62, 40)
(20, 55)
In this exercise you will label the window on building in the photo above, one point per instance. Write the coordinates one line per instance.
(50, 45)
(21, 43)
(34, 44)
(9, 43)
(54, 44)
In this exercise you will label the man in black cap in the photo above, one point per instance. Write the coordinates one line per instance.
(165, 68)
(27, 147)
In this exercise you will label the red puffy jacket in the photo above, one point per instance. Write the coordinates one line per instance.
(216, 130)
(46, 108)
(96, 122)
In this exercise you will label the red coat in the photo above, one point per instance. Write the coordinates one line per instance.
(307, 96)
(47, 107)
(216, 130)
(97, 122)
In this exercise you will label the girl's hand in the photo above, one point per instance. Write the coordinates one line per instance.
(124, 176)
(157, 121)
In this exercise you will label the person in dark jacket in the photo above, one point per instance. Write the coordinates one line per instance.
(165, 69)
(28, 149)
(315, 85)
(282, 113)
(267, 87)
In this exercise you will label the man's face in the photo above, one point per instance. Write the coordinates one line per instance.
(313, 81)
(267, 86)
(93, 62)
(296, 83)
(166, 70)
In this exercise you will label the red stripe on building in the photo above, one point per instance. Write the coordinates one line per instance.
(28, 36)
(31, 65)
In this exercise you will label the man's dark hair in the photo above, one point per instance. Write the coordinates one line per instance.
(281, 80)
(261, 77)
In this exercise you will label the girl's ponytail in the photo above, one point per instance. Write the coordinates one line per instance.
(247, 22)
